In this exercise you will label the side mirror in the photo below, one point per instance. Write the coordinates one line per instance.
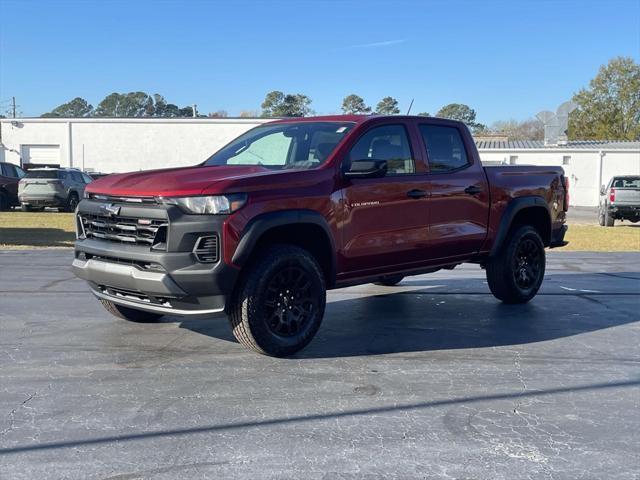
(367, 169)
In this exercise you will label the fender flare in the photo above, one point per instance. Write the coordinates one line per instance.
(514, 207)
(261, 224)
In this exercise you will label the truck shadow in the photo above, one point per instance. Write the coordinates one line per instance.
(459, 314)
(36, 237)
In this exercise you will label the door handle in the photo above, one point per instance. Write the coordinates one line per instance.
(416, 193)
(472, 190)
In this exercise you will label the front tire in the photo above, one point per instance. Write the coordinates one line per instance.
(4, 202)
(72, 202)
(131, 314)
(279, 304)
(516, 273)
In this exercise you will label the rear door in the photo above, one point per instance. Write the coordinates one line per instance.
(458, 191)
(385, 220)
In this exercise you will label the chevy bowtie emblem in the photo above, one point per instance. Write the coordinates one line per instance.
(109, 209)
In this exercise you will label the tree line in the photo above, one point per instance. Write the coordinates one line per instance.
(609, 108)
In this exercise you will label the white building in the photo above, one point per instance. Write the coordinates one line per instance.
(588, 164)
(125, 144)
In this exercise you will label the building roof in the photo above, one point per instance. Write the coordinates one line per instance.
(571, 145)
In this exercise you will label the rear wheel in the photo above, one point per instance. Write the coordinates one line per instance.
(130, 314)
(608, 219)
(26, 208)
(279, 304)
(516, 273)
(390, 280)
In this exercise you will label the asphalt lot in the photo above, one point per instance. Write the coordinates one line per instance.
(432, 379)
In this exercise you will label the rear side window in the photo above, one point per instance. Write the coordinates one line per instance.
(42, 174)
(389, 143)
(76, 177)
(445, 148)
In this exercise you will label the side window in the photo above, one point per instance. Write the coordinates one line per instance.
(87, 178)
(389, 143)
(21, 173)
(62, 175)
(445, 148)
(76, 177)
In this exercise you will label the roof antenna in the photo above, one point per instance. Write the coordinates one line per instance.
(410, 105)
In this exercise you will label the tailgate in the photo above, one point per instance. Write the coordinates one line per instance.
(626, 196)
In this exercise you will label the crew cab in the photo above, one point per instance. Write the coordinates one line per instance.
(294, 207)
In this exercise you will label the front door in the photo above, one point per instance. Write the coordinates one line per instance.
(385, 220)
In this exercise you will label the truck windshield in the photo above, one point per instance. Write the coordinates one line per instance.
(301, 145)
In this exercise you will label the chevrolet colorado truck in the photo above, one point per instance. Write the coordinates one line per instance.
(294, 207)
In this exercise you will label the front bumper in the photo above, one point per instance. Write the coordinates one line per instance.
(170, 280)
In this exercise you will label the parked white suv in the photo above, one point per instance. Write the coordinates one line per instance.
(52, 187)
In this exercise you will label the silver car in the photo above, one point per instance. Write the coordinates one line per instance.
(60, 188)
(620, 200)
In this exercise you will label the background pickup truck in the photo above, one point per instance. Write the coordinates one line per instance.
(292, 208)
(620, 200)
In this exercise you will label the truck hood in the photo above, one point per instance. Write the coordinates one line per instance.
(201, 180)
(171, 182)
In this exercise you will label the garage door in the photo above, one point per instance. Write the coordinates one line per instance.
(41, 155)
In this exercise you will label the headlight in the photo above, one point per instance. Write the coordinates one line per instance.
(208, 205)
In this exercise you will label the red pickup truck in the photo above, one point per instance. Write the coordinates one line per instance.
(294, 207)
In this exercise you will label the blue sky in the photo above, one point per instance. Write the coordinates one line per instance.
(506, 59)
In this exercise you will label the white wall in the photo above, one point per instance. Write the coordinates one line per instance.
(583, 170)
(120, 145)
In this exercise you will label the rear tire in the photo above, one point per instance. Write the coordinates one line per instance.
(390, 280)
(516, 273)
(609, 221)
(279, 303)
(131, 314)
(26, 208)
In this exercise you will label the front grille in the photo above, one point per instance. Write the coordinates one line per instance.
(135, 231)
(206, 249)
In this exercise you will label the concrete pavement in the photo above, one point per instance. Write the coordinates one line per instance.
(431, 379)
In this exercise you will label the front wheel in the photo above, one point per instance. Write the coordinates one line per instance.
(516, 273)
(72, 202)
(131, 314)
(280, 302)
(4, 202)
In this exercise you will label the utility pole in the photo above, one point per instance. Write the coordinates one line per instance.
(195, 110)
(13, 106)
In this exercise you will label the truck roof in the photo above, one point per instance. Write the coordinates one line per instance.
(343, 118)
